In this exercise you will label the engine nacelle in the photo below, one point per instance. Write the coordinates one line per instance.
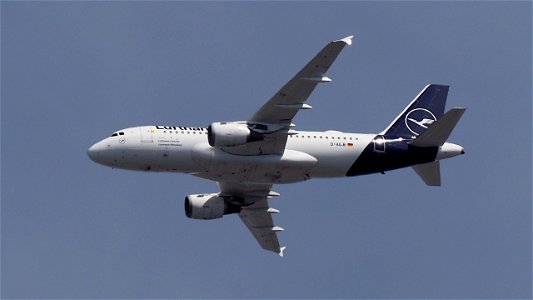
(208, 206)
(229, 134)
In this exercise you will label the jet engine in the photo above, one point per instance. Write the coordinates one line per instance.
(208, 206)
(230, 134)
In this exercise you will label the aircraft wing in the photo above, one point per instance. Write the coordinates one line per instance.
(284, 105)
(256, 213)
(274, 118)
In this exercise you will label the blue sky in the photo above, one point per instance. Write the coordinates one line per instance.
(73, 72)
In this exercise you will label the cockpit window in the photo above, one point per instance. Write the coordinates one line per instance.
(117, 133)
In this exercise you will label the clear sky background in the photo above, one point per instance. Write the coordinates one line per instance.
(74, 72)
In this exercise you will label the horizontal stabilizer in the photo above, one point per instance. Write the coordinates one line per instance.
(437, 134)
(430, 173)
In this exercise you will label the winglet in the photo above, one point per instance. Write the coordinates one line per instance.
(347, 40)
(281, 250)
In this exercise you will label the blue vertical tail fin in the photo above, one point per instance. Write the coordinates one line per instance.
(424, 110)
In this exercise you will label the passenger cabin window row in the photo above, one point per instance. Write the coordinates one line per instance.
(183, 132)
(322, 137)
(292, 136)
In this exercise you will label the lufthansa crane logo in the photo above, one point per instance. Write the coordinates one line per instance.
(418, 120)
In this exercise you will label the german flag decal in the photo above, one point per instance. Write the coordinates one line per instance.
(350, 145)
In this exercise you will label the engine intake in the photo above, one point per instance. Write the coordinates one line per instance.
(208, 207)
(230, 134)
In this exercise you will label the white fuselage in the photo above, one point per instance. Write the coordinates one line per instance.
(308, 154)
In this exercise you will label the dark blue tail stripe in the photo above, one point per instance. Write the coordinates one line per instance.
(398, 154)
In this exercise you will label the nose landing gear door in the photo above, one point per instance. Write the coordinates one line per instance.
(147, 134)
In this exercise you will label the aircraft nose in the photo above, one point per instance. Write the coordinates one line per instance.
(94, 152)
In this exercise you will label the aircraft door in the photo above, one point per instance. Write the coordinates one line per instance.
(147, 134)
(379, 144)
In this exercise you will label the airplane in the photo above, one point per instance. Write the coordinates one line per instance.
(246, 158)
